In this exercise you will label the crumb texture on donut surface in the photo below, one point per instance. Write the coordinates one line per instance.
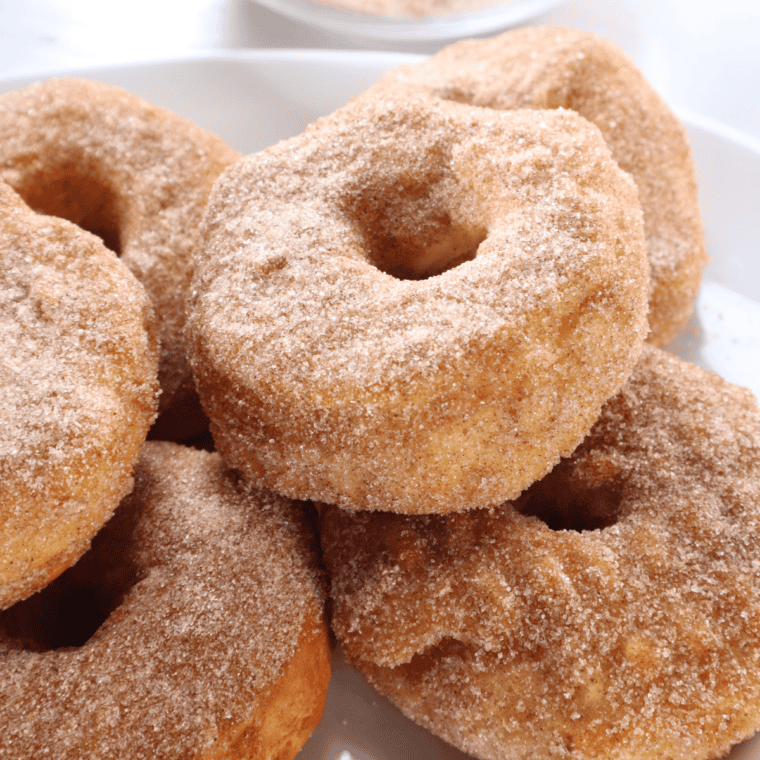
(215, 645)
(613, 611)
(78, 359)
(389, 307)
(136, 175)
(552, 67)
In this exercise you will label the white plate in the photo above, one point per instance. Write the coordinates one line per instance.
(499, 15)
(254, 98)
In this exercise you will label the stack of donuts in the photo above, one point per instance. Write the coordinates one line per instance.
(426, 334)
(154, 605)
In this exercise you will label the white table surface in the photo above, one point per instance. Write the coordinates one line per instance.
(703, 55)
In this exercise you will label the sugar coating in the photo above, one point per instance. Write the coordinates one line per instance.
(225, 618)
(78, 362)
(640, 639)
(416, 306)
(135, 174)
(550, 67)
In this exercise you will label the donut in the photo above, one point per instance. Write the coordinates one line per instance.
(391, 305)
(547, 68)
(612, 611)
(213, 644)
(78, 363)
(134, 174)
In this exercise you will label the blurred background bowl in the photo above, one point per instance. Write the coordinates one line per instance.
(491, 17)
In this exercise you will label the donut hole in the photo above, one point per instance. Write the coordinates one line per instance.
(564, 502)
(69, 610)
(409, 233)
(69, 193)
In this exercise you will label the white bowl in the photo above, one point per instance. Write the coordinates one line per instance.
(254, 98)
(499, 15)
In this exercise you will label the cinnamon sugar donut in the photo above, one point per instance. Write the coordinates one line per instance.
(389, 307)
(550, 68)
(613, 611)
(78, 358)
(135, 174)
(215, 646)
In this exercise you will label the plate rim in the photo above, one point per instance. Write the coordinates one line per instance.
(203, 55)
(380, 58)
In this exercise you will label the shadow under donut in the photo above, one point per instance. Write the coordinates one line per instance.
(68, 611)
